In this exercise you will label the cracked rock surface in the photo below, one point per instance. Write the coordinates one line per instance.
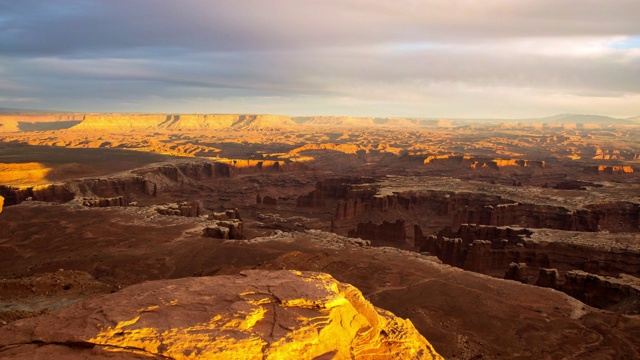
(257, 314)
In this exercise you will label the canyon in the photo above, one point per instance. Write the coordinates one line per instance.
(494, 239)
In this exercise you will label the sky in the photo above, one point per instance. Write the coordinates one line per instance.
(405, 58)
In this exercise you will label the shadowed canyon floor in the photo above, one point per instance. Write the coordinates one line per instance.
(427, 219)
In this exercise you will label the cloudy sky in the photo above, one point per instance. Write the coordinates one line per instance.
(418, 58)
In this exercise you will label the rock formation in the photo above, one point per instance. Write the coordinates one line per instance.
(479, 162)
(38, 122)
(506, 245)
(620, 293)
(548, 278)
(231, 229)
(516, 272)
(255, 315)
(1, 203)
(605, 169)
(387, 231)
(359, 200)
(229, 214)
(601, 271)
(104, 202)
(188, 209)
(227, 225)
(144, 182)
(313, 199)
(182, 122)
(50, 193)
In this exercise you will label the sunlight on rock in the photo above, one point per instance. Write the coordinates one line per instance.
(272, 315)
(23, 174)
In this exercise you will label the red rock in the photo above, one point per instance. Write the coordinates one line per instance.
(255, 315)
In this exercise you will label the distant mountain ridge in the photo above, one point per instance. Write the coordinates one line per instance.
(635, 119)
(584, 119)
(129, 122)
(25, 120)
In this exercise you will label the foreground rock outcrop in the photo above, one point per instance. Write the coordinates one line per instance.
(255, 315)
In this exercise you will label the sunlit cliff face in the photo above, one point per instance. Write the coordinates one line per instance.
(276, 315)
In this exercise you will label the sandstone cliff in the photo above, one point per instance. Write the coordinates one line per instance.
(480, 162)
(363, 199)
(393, 232)
(182, 122)
(604, 169)
(38, 121)
(144, 182)
(254, 315)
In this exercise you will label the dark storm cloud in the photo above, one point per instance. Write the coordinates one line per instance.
(103, 54)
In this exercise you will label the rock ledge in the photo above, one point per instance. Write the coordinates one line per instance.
(258, 314)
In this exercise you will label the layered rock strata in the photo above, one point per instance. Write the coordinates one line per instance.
(361, 198)
(104, 202)
(146, 182)
(551, 260)
(188, 209)
(225, 229)
(620, 293)
(387, 231)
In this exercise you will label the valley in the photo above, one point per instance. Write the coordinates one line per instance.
(497, 239)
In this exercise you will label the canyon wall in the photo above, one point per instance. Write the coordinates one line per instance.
(474, 162)
(494, 235)
(38, 122)
(386, 232)
(620, 293)
(605, 169)
(182, 122)
(251, 165)
(438, 209)
(145, 182)
(597, 275)
(490, 250)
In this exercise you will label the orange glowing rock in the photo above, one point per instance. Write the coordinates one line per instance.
(615, 169)
(23, 174)
(505, 162)
(249, 164)
(258, 314)
(343, 148)
(182, 122)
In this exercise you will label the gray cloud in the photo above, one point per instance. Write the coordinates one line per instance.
(411, 58)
